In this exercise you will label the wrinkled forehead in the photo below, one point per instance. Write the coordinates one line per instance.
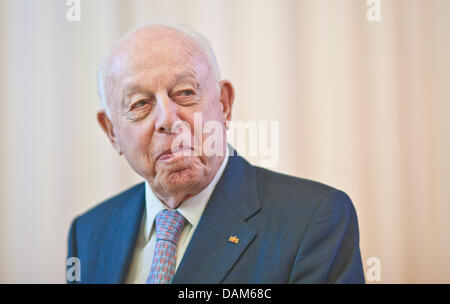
(158, 50)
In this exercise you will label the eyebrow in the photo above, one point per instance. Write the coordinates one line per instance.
(185, 75)
(133, 86)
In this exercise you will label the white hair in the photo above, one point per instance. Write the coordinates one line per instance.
(203, 42)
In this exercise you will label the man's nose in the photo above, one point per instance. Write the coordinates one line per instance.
(166, 114)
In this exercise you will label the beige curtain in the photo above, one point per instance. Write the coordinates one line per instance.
(361, 105)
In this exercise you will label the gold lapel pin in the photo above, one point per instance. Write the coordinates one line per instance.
(233, 239)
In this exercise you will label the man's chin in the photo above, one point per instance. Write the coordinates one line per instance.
(180, 179)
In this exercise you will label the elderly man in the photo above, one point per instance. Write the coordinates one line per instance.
(200, 217)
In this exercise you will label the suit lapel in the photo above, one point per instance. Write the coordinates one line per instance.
(210, 255)
(120, 239)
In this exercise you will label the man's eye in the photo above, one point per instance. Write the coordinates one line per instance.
(187, 93)
(139, 104)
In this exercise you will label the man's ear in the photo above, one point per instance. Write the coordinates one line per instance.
(226, 98)
(107, 127)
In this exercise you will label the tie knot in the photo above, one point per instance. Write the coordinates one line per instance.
(169, 224)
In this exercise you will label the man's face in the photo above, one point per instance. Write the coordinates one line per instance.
(155, 83)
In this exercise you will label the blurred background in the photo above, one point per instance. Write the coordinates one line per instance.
(363, 106)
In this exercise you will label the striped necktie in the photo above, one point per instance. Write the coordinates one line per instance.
(169, 224)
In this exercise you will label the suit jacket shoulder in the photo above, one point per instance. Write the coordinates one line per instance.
(103, 210)
(103, 238)
(326, 227)
(289, 188)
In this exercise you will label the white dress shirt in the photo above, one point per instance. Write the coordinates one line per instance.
(191, 209)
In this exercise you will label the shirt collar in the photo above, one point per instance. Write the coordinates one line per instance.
(191, 209)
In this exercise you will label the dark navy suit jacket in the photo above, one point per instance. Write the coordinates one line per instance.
(290, 230)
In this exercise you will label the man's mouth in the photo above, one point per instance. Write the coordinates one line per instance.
(169, 153)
